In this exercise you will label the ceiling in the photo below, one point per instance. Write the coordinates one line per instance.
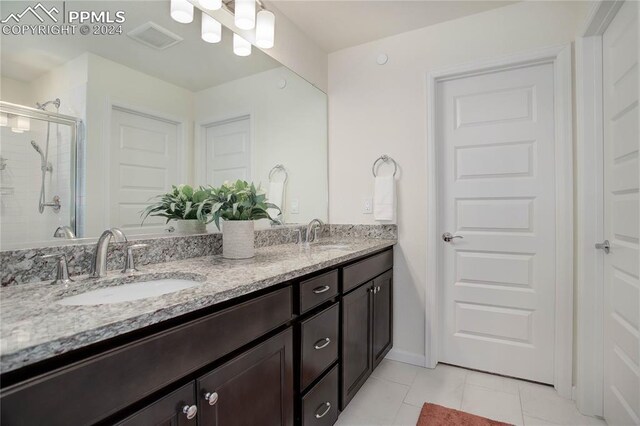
(336, 25)
(192, 63)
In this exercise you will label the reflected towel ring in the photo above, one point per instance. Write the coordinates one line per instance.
(278, 168)
(384, 159)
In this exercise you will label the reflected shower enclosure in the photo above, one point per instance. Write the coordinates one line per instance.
(38, 182)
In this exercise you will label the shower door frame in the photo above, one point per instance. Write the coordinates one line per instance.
(75, 125)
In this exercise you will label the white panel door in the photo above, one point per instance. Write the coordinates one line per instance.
(228, 151)
(621, 219)
(495, 144)
(143, 164)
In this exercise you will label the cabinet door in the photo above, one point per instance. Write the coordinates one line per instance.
(255, 388)
(382, 316)
(176, 409)
(356, 341)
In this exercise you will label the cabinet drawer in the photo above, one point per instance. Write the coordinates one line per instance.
(173, 409)
(125, 375)
(320, 404)
(319, 340)
(317, 290)
(365, 270)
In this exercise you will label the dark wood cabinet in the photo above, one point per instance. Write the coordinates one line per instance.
(176, 409)
(367, 321)
(318, 344)
(356, 341)
(382, 316)
(255, 388)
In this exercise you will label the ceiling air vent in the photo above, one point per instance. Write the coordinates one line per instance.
(153, 35)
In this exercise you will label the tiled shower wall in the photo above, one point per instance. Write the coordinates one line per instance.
(20, 181)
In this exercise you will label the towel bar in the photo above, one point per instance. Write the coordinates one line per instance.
(384, 158)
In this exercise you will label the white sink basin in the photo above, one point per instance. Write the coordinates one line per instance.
(128, 292)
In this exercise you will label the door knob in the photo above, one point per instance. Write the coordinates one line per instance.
(448, 237)
(605, 246)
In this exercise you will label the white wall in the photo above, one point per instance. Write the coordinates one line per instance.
(287, 130)
(382, 109)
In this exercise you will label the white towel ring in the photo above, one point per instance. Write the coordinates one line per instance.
(384, 159)
(279, 168)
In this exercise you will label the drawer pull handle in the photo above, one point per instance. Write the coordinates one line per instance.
(190, 411)
(326, 410)
(322, 343)
(323, 289)
(211, 397)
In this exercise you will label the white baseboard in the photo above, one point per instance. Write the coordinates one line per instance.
(406, 357)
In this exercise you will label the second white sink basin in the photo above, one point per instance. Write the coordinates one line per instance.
(129, 292)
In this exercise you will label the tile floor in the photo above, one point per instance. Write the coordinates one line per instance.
(395, 392)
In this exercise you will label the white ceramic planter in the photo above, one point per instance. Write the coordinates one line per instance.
(237, 239)
(191, 226)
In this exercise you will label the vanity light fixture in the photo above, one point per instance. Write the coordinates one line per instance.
(265, 29)
(241, 47)
(211, 29)
(182, 11)
(211, 4)
(245, 14)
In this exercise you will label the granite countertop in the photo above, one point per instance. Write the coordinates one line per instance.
(34, 327)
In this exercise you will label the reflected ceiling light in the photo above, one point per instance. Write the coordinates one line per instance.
(245, 14)
(20, 124)
(265, 29)
(182, 11)
(211, 29)
(241, 47)
(211, 4)
(4, 120)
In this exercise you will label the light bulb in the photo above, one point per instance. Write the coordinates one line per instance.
(245, 14)
(211, 4)
(211, 29)
(241, 47)
(182, 11)
(265, 29)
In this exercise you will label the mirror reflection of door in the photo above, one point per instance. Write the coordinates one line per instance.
(228, 150)
(142, 165)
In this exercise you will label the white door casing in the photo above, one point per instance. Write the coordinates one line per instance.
(621, 218)
(512, 224)
(227, 150)
(496, 148)
(143, 163)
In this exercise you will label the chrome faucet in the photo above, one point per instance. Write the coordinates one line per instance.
(64, 232)
(99, 265)
(313, 226)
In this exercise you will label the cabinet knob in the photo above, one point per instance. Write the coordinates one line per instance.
(190, 411)
(327, 408)
(211, 397)
(322, 343)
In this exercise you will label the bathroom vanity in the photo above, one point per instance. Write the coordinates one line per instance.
(286, 338)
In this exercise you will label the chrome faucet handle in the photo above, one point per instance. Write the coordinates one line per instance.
(129, 263)
(62, 268)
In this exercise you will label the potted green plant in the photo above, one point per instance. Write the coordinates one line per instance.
(238, 204)
(184, 205)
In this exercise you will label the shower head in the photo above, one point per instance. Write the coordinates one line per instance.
(43, 106)
(35, 146)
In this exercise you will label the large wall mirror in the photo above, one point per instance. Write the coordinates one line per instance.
(95, 125)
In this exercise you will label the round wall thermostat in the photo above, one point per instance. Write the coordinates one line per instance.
(282, 83)
(382, 59)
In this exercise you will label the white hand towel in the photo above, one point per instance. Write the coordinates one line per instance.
(384, 200)
(276, 195)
